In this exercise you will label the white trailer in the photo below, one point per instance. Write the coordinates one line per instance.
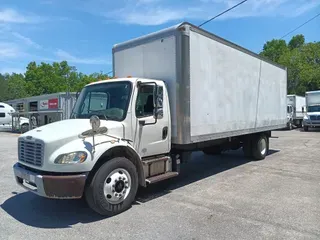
(190, 91)
(312, 117)
(7, 117)
(296, 108)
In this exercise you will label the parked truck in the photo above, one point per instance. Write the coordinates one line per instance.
(8, 118)
(189, 91)
(295, 109)
(312, 117)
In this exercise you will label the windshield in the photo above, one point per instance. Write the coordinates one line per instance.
(314, 109)
(106, 100)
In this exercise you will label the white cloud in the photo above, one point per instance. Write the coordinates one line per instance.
(157, 12)
(63, 55)
(12, 70)
(152, 16)
(9, 50)
(26, 40)
(12, 16)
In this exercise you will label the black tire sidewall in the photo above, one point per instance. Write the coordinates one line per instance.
(256, 151)
(102, 205)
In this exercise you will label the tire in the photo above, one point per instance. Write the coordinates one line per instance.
(306, 128)
(290, 126)
(24, 127)
(260, 147)
(113, 187)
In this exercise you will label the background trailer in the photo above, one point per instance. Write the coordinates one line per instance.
(43, 109)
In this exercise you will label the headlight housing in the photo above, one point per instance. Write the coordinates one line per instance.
(306, 117)
(71, 158)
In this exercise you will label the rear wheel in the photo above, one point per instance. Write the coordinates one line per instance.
(260, 147)
(113, 188)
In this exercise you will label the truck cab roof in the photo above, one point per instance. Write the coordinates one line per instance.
(131, 79)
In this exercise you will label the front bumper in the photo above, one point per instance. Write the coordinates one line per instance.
(50, 186)
(311, 123)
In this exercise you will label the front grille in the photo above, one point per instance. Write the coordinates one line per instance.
(31, 152)
(315, 117)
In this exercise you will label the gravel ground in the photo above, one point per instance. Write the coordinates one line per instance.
(224, 197)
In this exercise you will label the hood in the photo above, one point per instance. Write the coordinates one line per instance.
(69, 129)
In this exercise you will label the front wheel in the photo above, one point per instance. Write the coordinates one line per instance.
(24, 128)
(113, 188)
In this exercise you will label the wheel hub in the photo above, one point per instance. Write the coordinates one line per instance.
(117, 186)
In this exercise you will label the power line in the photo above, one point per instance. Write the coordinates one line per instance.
(229, 9)
(300, 25)
(222, 13)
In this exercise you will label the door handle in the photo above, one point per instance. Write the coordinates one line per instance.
(164, 133)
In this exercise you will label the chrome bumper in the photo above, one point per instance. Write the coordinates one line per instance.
(50, 186)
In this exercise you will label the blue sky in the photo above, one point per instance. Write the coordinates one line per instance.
(84, 31)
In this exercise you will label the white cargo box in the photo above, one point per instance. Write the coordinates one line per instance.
(299, 105)
(217, 89)
(313, 98)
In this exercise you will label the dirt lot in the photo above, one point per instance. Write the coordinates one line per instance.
(224, 197)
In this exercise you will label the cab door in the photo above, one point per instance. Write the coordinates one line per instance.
(151, 119)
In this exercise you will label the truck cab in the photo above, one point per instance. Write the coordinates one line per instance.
(7, 118)
(312, 117)
(115, 124)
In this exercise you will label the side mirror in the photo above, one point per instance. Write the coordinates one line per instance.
(77, 95)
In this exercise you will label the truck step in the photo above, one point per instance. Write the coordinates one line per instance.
(153, 160)
(162, 177)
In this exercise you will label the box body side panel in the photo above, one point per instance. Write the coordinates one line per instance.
(232, 92)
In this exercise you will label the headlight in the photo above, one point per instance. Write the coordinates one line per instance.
(74, 157)
(306, 117)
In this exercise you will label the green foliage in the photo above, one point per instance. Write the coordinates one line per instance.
(301, 59)
(274, 49)
(3, 88)
(296, 42)
(45, 79)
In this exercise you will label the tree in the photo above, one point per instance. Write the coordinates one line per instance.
(301, 59)
(274, 49)
(3, 88)
(16, 86)
(296, 42)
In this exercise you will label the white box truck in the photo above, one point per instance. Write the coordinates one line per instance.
(296, 108)
(312, 117)
(190, 91)
(7, 118)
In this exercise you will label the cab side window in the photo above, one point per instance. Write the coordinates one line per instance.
(145, 104)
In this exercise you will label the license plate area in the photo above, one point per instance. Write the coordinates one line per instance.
(28, 180)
